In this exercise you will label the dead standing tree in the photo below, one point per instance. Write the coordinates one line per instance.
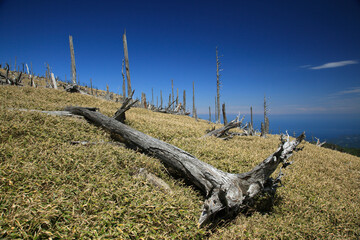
(172, 92)
(123, 83)
(194, 110)
(224, 114)
(218, 70)
(126, 56)
(265, 124)
(226, 194)
(184, 101)
(73, 66)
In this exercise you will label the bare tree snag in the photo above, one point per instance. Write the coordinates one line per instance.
(224, 114)
(215, 110)
(177, 96)
(218, 65)
(127, 104)
(161, 100)
(152, 96)
(91, 87)
(265, 125)
(194, 111)
(126, 56)
(53, 81)
(251, 117)
(221, 132)
(209, 115)
(123, 83)
(172, 92)
(184, 101)
(73, 66)
(226, 194)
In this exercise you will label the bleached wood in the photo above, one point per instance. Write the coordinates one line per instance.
(53, 81)
(73, 66)
(126, 56)
(225, 193)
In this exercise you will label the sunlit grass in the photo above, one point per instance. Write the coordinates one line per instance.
(52, 189)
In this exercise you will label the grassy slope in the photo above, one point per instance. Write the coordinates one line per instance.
(49, 188)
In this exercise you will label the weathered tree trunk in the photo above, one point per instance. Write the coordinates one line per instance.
(194, 111)
(152, 96)
(123, 83)
(91, 87)
(224, 114)
(161, 100)
(184, 101)
(172, 92)
(225, 193)
(53, 81)
(251, 117)
(126, 56)
(215, 107)
(27, 69)
(169, 103)
(177, 96)
(266, 119)
(217, 85)
(209, 115)
(73, 66)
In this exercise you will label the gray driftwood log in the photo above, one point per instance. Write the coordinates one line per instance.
(226, 194)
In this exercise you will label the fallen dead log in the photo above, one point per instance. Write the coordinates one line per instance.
(318, 143)
(220, 132)
(86, 143)
(72, 88)
(10, 80)
(226, 194)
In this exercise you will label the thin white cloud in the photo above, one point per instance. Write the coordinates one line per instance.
(305, 66)
(350, 91)
(335, 64)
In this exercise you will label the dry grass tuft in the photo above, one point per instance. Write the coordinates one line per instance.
(52, 189)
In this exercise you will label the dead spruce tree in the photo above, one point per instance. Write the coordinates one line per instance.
(226, 194)
(184, 101)
(218, 70)
(194, 110)
(265, 124)
(73, 66)
(126, 56)
(123, 82)
(224, 114)
(172, 92)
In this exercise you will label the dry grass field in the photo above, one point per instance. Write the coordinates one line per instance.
(51, 189)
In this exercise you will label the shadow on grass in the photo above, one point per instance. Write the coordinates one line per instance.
(262, 204)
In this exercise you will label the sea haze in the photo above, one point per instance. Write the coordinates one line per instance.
(332, 128)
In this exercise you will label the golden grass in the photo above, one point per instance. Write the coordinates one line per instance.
(52, 189)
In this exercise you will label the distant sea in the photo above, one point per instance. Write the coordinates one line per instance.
(344, 131)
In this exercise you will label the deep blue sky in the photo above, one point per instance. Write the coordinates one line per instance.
(277, 48)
